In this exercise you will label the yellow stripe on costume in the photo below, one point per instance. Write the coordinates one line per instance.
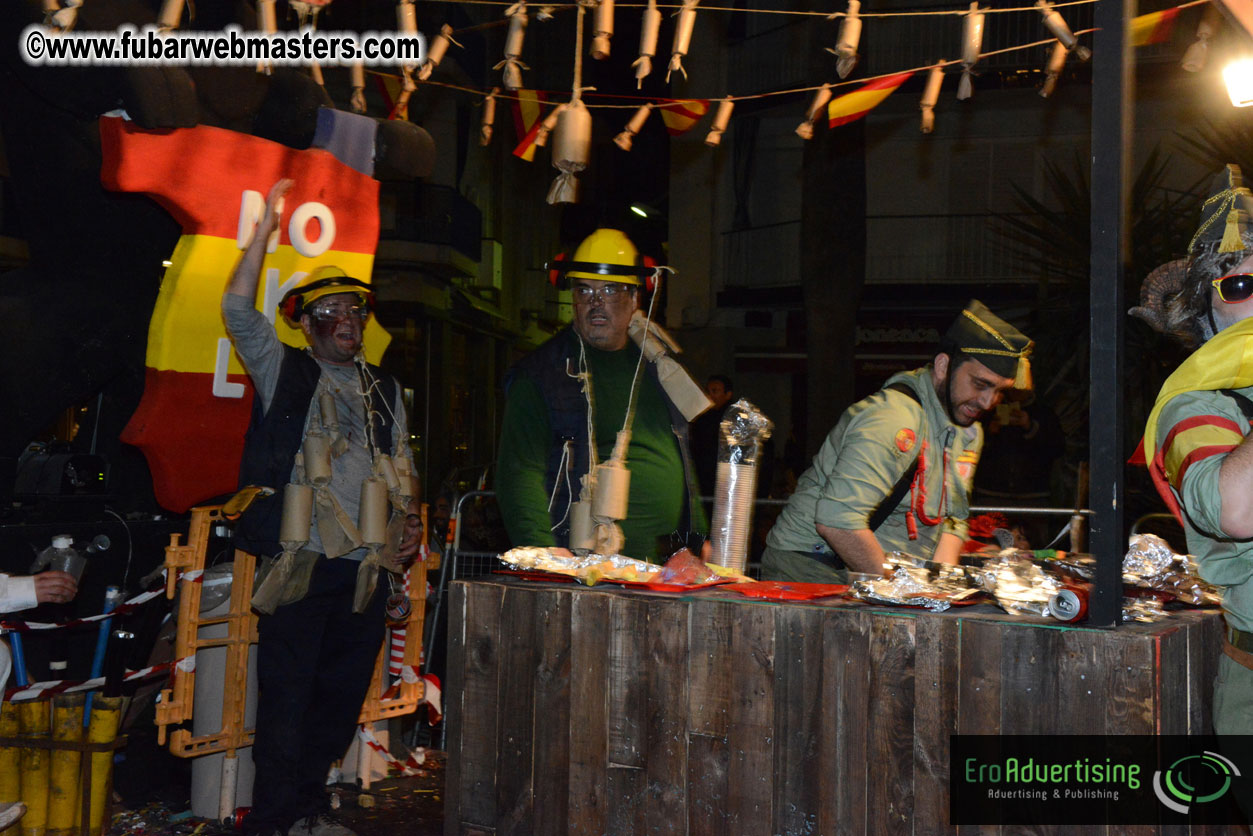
(1191, 444)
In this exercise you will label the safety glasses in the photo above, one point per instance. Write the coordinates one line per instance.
(336, 310)
(1234, 288)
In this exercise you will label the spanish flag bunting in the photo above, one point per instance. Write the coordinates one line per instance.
(527, 110)
(681, 115)
(391, 86)
(1153, 28)
(852, 106)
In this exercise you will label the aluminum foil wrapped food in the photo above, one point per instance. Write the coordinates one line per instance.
(913, 586)
(591, 568)
(1150, 563)
(1142, 609)
(1019, 586)
(949, 580)
(901, 589)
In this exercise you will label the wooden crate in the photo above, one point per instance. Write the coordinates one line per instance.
(589, 711)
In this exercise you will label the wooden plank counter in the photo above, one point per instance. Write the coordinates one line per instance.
(587, 711)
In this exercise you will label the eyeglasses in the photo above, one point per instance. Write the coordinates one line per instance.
(608, 293)
(1234, 288)
(338, 310)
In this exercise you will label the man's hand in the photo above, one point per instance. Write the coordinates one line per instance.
(54, 587)
(247, 275)
(273, 208)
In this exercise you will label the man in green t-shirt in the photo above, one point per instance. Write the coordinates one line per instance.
(587, 384)
(895, 472)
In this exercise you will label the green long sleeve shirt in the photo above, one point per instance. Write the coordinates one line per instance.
(657, 490)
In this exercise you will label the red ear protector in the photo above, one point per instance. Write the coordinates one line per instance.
(561, 265)
(293, 303)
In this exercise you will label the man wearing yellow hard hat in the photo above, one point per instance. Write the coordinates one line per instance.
(328, 433)
(592, 428)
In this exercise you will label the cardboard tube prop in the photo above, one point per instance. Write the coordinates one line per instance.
(1195, 56)
(623, 140)
(721, 119)
(10, 763)
(931, 97)
(656, 345)
(649, 30)
(267, 22)
(805, 130)
(512, 66)
(603, 31)
(293, 535)
(972, 43)
(171, 14)
(744, 429)
(407, 23)
(1056, 24)
(682, 37)
(373, 514)
(571, 148)
(357, 100)
(330, 421)
(850, 36)
(582, 530)
(63, 794)
(1057, 62)
(437, 51)
(106, 716)
(489, 118)
(546, 127)
(33, 719)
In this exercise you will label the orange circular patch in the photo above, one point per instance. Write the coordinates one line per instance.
(905, 439)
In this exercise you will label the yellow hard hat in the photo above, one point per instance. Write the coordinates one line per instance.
(326, 280)
(607, 255)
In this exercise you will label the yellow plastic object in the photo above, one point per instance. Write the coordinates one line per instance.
(403, 699)
(63, 797)
(106, 715)
(33, 722)
(176, 703)
(10, 770)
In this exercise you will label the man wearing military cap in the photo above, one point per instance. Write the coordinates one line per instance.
(895, 473)
(1197, 438)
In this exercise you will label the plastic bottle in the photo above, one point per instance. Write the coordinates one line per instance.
(62, 557)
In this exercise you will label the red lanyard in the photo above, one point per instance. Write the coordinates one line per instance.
(918, 496)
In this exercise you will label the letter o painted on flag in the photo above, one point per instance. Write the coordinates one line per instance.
(304, 213)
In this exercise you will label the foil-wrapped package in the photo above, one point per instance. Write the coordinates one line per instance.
(948, 579)
(1150, 563)
(910, 587)
(1142, 609)
(1019, 586)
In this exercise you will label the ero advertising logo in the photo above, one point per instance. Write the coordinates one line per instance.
(1194, 779)
(1097, 779)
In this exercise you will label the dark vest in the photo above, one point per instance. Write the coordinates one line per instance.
(551, 367)
(274, 437)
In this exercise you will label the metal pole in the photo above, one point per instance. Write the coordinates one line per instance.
(1112, 88)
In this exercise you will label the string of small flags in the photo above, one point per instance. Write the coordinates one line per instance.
(569, 122)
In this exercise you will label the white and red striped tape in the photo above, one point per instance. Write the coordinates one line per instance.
(40, 690)
(396, 767)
